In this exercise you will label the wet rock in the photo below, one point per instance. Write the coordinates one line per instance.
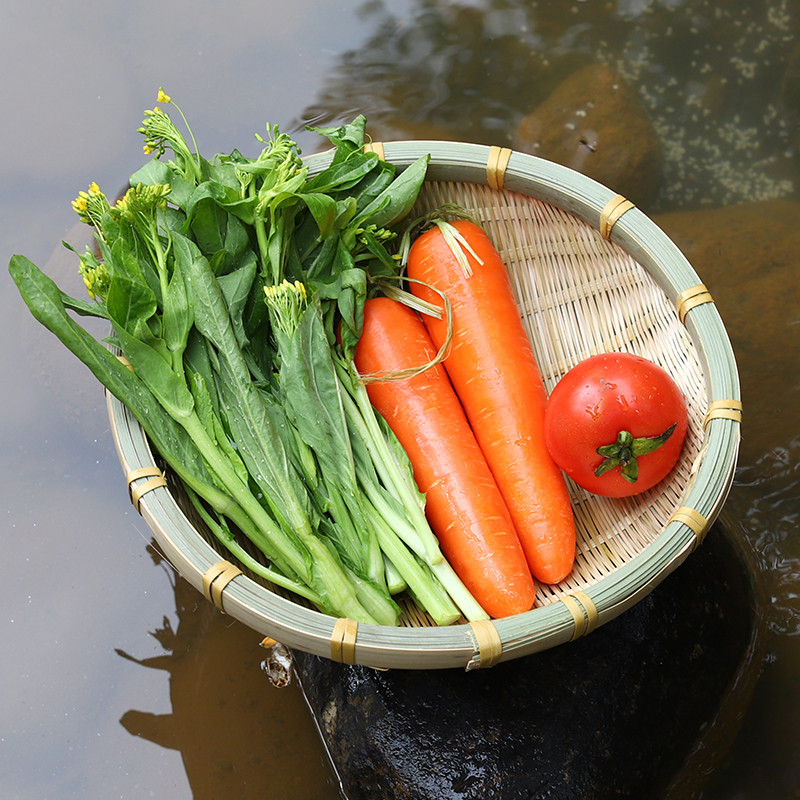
(595, 123)
(746, 255)
(790, 103)
(641, 708)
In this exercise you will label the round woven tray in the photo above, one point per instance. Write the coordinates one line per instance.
(592, 274)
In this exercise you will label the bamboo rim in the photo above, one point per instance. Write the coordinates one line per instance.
(517, 196)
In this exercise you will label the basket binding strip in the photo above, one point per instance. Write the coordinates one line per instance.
(581, 290)
(216, 579)
(137, 490)
(488, 645)
(343, 641)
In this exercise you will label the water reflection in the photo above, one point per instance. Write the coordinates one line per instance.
(716, 80)
(721, 84)
(237, 734)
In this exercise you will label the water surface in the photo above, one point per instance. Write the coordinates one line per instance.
(118, 679)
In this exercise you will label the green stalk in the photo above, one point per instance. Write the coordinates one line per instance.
(321, 571)
(363, 416)
(394, 580)
(411, 526)
(260, 227)
(225, 537)
(428, 591)
(409, 534)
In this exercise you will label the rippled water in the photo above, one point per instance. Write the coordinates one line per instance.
(119, 680)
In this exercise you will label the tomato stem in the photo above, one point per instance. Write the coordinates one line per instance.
(625, 451)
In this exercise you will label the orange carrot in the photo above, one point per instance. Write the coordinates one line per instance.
(494, 372)
(464, 506)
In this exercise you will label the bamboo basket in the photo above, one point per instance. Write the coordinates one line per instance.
(591, 273)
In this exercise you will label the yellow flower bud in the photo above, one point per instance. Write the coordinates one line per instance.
(163, 97)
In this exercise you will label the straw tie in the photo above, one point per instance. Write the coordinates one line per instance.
(692, 519)
(611, 213)
(216, 579)
(137, 492)
(496, 165)
(375, 147)
(690, 298)
(488, 644)
(723, 409)
(583, 611)
(343, 641)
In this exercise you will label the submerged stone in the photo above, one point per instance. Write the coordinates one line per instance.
(641, 708)
(595, 123)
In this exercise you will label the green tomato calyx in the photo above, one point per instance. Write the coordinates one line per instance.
(625, 451)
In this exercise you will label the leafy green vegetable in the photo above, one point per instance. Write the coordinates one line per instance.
(234, 289)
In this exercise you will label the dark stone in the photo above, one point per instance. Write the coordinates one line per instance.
(595, 123)
(642, 707)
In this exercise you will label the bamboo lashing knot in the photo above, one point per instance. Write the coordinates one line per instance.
(690, 298)
(610, 215)
(343, 641)
(723, 409)
(693, 520)
(375, 147)
(583, 611)
(488, 644)
(136, 492)
(496, 165)
(216, 579)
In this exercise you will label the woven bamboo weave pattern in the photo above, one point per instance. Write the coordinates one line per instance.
(579, 295)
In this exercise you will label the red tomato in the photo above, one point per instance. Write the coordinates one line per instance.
(616, 423)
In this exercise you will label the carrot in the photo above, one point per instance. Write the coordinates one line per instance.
(494, 372)
(463, 504)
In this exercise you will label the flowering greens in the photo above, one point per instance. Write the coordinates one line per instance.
(234, 290)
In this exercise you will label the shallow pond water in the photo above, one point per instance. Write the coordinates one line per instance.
(118, 679)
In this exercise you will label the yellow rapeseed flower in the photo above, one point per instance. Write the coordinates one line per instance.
(163, 97)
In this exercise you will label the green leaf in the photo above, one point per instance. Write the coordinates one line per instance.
(206, 411)
(344, 175)
(345, 138)
(324, 209)
(219, 234)
(311, 389)
(237, 289)
(394, 202)
(227, 197)
(45, 301)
